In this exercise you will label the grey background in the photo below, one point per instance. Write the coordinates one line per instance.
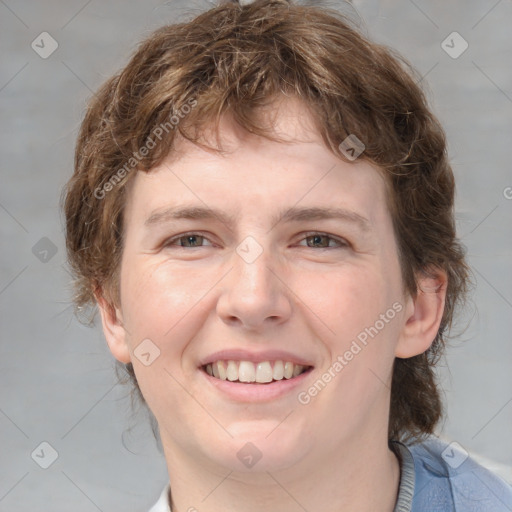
(57, 378)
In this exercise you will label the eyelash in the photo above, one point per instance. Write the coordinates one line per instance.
(342, 242)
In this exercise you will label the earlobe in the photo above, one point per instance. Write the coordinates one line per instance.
(113, 328)
(423, 315)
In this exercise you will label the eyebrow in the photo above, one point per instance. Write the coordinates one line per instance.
(293, 214)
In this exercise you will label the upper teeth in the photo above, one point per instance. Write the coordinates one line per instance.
(247, 371)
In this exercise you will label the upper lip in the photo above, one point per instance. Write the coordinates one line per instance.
(255, 357)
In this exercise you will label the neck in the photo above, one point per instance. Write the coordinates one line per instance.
(360, 477)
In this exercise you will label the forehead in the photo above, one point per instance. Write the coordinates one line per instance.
(253, 172)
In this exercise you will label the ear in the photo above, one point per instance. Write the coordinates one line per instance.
(113, 328)
(423, 315)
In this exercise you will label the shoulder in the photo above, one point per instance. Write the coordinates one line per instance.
(448, 479)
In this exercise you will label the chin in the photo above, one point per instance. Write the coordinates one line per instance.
(257, 448)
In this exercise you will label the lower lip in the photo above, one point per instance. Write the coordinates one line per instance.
(254, 392)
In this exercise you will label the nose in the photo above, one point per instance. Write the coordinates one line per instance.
(254, 294)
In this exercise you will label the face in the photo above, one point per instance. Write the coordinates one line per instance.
(274, 262)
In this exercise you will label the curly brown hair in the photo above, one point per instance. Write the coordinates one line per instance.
(236, 59)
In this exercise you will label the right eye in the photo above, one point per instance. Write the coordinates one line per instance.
(186, 240)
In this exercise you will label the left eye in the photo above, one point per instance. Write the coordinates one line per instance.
(322, 241)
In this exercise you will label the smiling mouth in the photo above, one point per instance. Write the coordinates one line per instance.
(248, 372)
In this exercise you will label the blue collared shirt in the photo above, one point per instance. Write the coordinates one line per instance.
(437, 476)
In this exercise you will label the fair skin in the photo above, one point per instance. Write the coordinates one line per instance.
(305, 295)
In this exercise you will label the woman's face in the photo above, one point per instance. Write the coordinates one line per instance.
(269, 257)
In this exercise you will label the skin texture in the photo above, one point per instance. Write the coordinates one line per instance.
(331, 454)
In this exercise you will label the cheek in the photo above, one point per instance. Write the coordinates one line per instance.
(350, 303)
(155, 305)
(347, 300)
(163, 304)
